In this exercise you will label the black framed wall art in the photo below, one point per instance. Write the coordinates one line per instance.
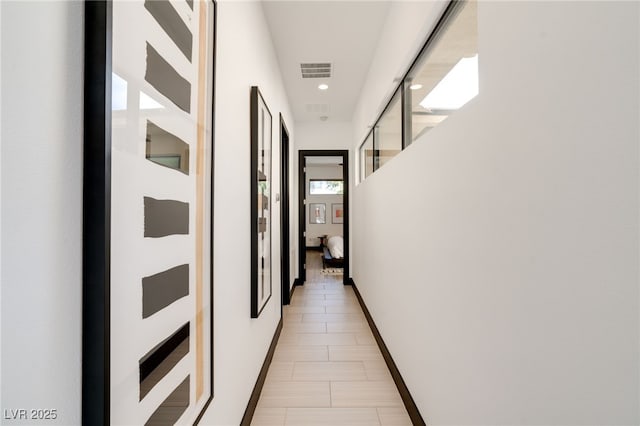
(148, 211)
(261, 133)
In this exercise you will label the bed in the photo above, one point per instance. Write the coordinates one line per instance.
(333, 252)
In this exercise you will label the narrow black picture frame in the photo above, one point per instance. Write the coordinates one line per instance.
(96, 215)
(256, 102)
(96, 240)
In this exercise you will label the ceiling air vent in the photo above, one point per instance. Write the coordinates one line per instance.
(316, 70)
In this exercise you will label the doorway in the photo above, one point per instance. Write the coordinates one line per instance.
(285, 250)
(323, 212)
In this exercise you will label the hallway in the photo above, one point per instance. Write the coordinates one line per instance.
(490, 212)
(327, 368)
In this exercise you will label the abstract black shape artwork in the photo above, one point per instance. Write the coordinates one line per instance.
(261, 134)
(148, 219)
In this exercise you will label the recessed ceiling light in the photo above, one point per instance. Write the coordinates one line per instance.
(323, 86)
(415, 86)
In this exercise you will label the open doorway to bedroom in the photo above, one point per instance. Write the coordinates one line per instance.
(324, 214)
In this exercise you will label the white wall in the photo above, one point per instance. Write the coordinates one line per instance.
(245, 57)
(41, 239)
(508, 237)
(323, 135)
(315, 230)
(41, 208)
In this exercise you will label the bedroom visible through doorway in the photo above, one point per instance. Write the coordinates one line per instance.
(324, 212)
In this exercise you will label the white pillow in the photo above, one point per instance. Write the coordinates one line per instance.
(335, 245)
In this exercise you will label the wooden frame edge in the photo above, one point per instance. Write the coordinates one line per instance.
(213, 158)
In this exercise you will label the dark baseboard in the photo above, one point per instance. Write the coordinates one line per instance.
(257, 389)
(409, 403)
(296, 283)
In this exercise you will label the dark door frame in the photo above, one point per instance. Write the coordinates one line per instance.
(285, 250)
(302, 208)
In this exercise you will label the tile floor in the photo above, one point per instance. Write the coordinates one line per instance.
(327, 369)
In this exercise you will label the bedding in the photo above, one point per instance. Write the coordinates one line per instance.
(335, 244)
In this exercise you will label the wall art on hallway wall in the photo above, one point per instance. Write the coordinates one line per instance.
(148, 211)
(261, 133)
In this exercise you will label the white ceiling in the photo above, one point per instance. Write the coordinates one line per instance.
(344, 33)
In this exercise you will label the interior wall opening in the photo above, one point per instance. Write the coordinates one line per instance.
(323, 197)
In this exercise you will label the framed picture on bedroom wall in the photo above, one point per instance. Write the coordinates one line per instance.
(147, 336)
(317, 213)
(261, 132)
(337, 213)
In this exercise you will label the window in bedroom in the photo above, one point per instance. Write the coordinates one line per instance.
(326, 187)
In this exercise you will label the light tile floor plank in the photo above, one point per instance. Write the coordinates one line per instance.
(269, 416)
(327, 369)
(348, 296)
(332, 371)
(307, 297)
(328, 318)
(295, 394)
(365, 394)
(333, 339)
(309, 309)
(282, 371)
(332, 417)
(305, 327)
(355, 353)
(287, 317)
(301, 353)
(348, 308)
(347, 327)
(365, 338)
(331, 302)
(394, 417)
(377, 370)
